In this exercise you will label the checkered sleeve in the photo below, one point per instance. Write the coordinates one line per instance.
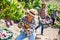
(21, 23)
(35, 23)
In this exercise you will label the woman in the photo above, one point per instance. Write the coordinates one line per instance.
(43, 14)
(28, 24)
(54, 16)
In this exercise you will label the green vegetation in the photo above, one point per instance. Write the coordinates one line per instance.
(11, 9)
(15, 9)
(59, 31)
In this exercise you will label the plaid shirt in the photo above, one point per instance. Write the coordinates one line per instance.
(32, 26)
(43, 12)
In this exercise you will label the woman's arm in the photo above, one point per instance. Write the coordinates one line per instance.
(21, 23)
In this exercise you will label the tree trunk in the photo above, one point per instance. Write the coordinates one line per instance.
(29, 1)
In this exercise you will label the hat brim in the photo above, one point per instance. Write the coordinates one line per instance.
(31, 14)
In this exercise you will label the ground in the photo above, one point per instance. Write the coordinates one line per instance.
(50, 33)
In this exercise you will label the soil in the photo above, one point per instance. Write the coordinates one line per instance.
(50, 33)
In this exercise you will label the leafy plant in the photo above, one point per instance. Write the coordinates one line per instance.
(36, 4)
(12, 9)
(15, 9)
(59, 31)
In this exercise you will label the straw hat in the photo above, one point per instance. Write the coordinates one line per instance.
(44, 3)
(33, 12)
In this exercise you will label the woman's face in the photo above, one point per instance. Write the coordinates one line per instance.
(44, 6)
(30, 16)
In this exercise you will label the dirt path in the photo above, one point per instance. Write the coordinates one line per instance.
(49, 32)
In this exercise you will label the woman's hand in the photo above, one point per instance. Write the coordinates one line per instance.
(20, 24)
